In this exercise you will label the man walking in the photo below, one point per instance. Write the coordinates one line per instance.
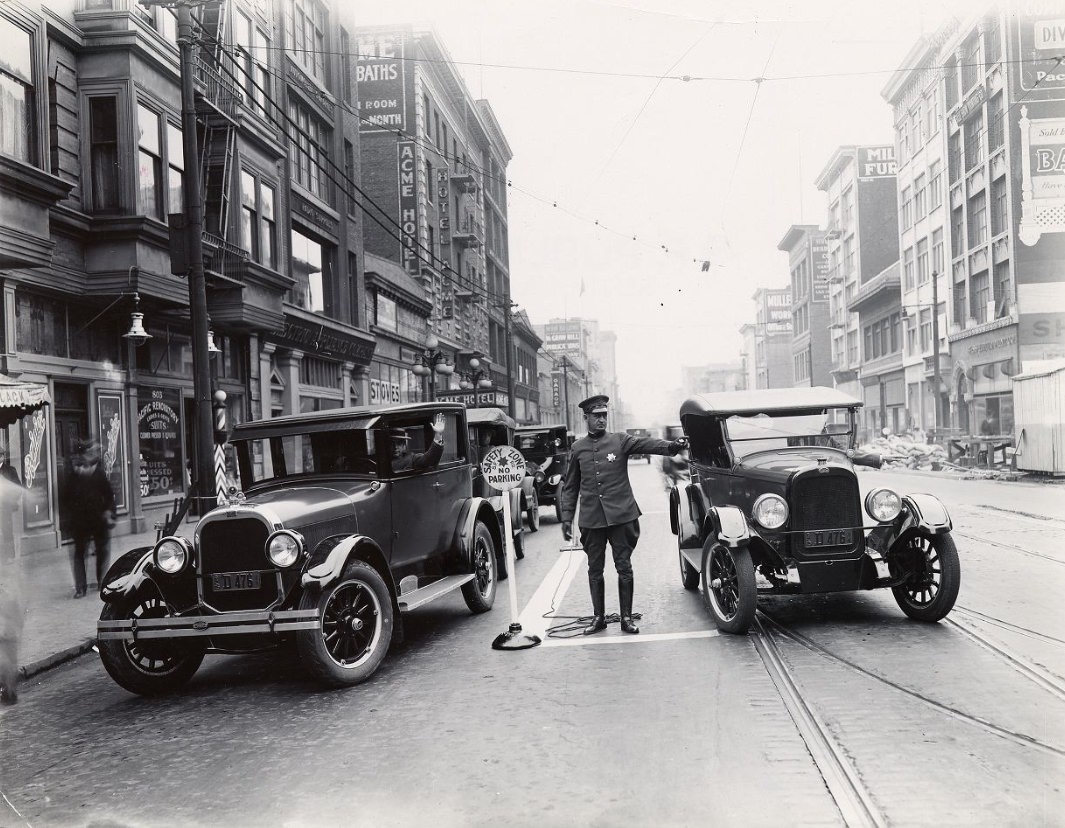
(599, 475)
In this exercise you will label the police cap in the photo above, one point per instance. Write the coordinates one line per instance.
(596, 404)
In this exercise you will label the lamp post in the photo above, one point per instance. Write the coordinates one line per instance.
(432, 361)
(478, 377)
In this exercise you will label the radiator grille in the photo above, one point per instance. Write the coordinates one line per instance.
(827, 501)
(237, 546)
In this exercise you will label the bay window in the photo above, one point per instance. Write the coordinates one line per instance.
(17, 103)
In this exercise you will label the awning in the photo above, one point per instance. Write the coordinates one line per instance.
(17, 399)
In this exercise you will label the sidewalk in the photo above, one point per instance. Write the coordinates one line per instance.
(56, 626)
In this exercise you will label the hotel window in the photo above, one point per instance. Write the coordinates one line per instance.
(175, 169)
(305, 27)
(258, 222)
(980, 296)
(920, 197)
(971, 69)
(349, 172)
(998, 206)
(937, 250)
(253, 72)
(313, 268)
(950, 78)
(906, 218)
(954, 157)
(309, 152)
(974, 140)
(996, 124)
(957, 231)
(18, 112)
(926, 330)
(931, 111)
(149, 163)
(992, 45)
(1002, 289)
(922, 261)
(961, 307)
(978, 219)
(103, 154)
(907, 268)
(935, 185)
(916, 121)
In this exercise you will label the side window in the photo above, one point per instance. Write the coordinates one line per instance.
(454, 444)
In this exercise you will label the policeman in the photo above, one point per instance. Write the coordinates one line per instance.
(599, 474)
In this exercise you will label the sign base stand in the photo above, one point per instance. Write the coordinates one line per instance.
(515, 639)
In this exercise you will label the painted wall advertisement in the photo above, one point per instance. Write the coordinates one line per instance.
(37, 505)
(408, 204)
(113, 444)
(1041, 41)
(159, 430)
(876, 162)
(1042, 176)
(381, 73)
(385, 393)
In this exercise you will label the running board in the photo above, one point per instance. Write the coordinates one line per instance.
(694, 557)
(417, 597)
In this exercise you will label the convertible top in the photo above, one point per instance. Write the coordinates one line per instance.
(489, 416)
(766, 400)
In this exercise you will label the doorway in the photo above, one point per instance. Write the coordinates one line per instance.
(71, 426)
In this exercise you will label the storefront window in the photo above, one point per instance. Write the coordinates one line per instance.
(113, 442)
(994, 414)
(159, 429)
(37, 504)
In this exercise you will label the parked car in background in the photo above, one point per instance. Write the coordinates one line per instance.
(773, 506)
(491, 427)
(546, 449)
(346, 519)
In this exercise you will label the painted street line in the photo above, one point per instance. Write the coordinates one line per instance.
(549, 594)
(621, 638)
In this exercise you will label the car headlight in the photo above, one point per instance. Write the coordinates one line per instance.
(883, 505)
(172, 555)
(553, 479)
(770, 511)
(284, 548)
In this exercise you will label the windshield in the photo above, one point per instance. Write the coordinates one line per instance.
(326, 452)
(767, 432)
(538, 445)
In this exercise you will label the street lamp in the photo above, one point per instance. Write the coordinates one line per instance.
(478, 377)
(432, 361)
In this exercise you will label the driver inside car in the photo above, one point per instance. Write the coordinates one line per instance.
(403, 459)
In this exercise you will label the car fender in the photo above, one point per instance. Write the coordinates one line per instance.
(474, 509)
(729, 524)
(927, 513)
(127, 574)
(354, 547)
(686, 513)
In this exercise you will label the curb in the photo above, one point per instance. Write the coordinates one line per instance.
(69, 654)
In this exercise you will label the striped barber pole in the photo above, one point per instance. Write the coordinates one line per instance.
(221, 483)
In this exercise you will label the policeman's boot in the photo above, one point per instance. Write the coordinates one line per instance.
(598, 590)
(625, 600)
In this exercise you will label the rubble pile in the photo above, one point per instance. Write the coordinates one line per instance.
(904, 452)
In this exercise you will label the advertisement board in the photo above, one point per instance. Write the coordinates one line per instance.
(159, 431)
(1041, 42)
(113, 444)
(381, 70)
(406, 160)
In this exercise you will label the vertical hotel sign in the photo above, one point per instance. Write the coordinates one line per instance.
(820, 267)
(408, 204)
(381, 74)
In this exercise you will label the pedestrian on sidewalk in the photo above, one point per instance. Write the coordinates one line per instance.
(89, 502)
(599, 474)
(11, 617)
(11, 491)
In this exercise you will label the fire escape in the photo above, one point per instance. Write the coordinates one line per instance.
(217, 100)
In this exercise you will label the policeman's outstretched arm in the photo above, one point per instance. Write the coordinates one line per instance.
(571, 488)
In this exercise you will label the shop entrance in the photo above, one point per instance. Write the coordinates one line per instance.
(71, 425)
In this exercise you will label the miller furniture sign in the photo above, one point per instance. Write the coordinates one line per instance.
(876, 162)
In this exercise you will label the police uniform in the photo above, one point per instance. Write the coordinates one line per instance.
(598, 476)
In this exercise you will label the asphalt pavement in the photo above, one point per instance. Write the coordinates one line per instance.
(58, 627)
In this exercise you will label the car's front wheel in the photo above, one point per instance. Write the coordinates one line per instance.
(355, 627)
(480, 593)
(933, 577)
(729, 588)
(148, 667)
(532, 512)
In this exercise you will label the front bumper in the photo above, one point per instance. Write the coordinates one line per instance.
(209, 626)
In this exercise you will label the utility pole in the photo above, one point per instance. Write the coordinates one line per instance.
(565, 388)
(508, 347)
(936, 379)
(203, 432)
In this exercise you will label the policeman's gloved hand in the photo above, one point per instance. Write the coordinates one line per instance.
(678, 445)
(567, 530)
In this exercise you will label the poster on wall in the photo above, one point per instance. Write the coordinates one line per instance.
(159, 431)
(113, 444)
(37, 505)
(1042, 176)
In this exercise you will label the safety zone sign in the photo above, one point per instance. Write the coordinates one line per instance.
(503, 467)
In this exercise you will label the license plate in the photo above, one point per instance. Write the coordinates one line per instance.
(827, 537)
(230, 581)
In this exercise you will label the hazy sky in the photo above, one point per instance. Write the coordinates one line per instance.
(713, 168)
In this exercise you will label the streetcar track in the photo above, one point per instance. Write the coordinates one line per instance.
(1003, 732)
(1010, 546)
(1006, 625)
(1037, 675)
(853, 799)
